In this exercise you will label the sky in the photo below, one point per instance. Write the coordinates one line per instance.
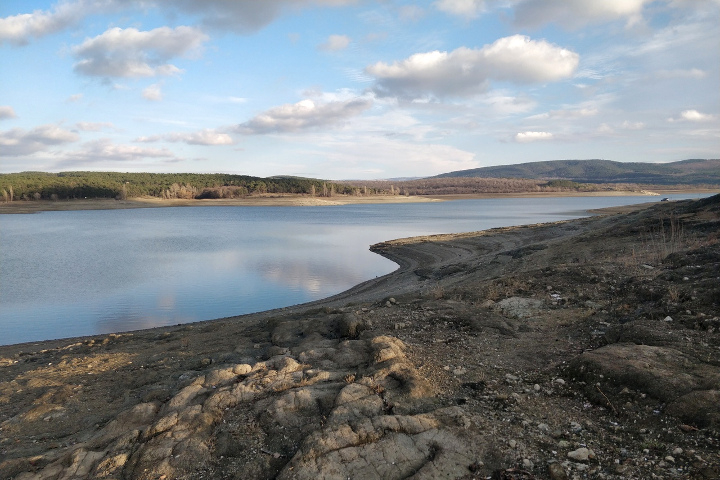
(354, 89)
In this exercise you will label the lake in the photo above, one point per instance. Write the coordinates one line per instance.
(73, 273)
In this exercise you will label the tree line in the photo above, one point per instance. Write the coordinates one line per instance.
(72, 185)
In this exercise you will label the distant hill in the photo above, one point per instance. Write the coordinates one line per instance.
(685, 172)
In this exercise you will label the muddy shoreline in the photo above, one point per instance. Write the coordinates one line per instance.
(576, 349)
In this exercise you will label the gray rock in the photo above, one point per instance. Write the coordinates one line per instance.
(581, 454)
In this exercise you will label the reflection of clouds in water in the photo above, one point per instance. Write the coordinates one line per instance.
(224, 260)
(313, 276)
(166, 301)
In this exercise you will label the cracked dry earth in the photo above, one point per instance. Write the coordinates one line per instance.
(587, 349)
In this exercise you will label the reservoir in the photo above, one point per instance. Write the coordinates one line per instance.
(73, 273)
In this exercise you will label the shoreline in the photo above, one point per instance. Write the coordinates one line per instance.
(482, 354)
(32, 206)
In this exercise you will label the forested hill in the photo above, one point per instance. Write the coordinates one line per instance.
(66, 185)
(685, 172)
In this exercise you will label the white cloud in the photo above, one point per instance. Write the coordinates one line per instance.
(372, 156)
(567, 114)
(335, 43)
(526, 137)
(628, 125)
(132, 53)
(104, 150)
(202, 137)
(462, 8)
(576, 13)
(6, 111)
(153, 93)
(694, 73)
(303, 115)
(693, 116)
(21, 142)
(243, 16)
(18, 29)
(75, 98)
(410, 13)
(465, 71)
(93, 126)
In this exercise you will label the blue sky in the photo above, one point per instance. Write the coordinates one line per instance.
(353, 89)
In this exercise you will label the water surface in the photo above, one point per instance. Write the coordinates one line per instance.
(77, 273)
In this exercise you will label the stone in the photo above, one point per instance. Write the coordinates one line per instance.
(350, 325)
(556, 472)
(242, 369)
(580, 455)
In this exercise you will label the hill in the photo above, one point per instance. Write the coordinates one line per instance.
(685, 172)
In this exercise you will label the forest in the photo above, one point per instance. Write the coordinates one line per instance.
(71, 185)
(30, 186)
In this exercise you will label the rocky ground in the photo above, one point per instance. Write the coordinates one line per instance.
(587, 349)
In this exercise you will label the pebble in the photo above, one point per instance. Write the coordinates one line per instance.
(560, 381)
(543, 427)
(563, 444)
(536, 387)
(668, 318)
(557, 472)
(581, 454)
(677, 451)
(460, 371)
(670, 458)
(512, 443)
(528, 464)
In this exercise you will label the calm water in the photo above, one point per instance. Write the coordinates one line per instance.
(66, 274)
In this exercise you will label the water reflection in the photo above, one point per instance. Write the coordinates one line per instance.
(78, 273)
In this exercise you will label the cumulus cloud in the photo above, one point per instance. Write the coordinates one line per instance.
(23, 142)
(19, 29)
(6, 111)
(462, 8)
(526, 137)
(132, 53)
(466, 71)
(692, 116)
(576, 13)
(335, 43)
(303, 115)
(202, 137)
(153, 93)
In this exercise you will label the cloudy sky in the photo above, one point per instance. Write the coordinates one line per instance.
(354, 89)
